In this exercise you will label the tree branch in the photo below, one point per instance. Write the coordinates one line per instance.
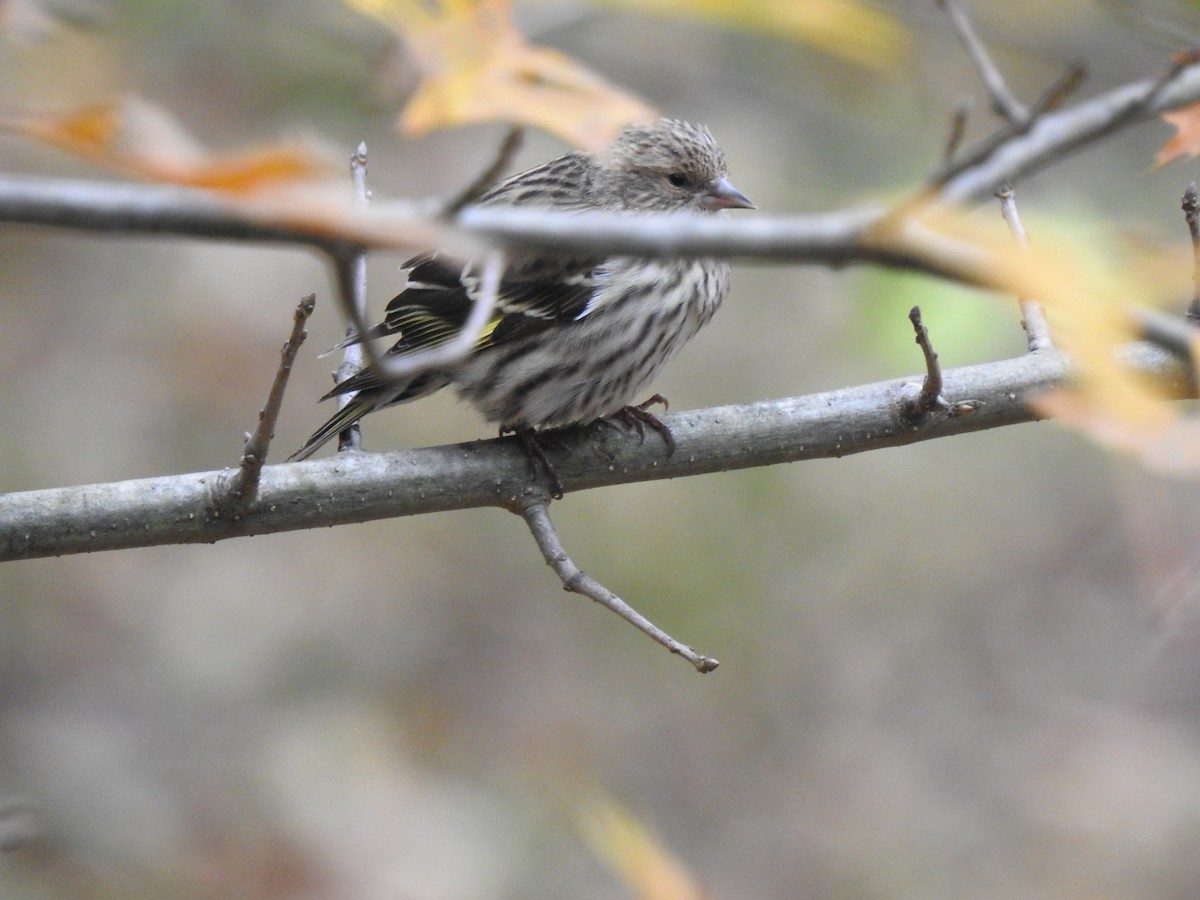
(186, 508)
(1004, 101)
(534, 507)
(831, 239)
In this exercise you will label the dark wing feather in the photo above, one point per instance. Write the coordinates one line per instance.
(535, 292)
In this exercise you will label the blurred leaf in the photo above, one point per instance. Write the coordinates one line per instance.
(25, 20)
(847, 29)
(143, 140)
(1162, 439)
(618, 838)
(1186, 141)
(477, 67)
(1088, 283)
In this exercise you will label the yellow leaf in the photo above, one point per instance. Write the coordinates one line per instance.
(622, 841)
(1087, 287)
(142, 140)
(477, 67)
(1162, 439)
(848, 29)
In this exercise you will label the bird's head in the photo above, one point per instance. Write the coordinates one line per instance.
(667, 166)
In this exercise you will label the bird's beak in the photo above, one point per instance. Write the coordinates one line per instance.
(723, 195)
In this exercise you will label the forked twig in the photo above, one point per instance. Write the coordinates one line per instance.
(534, 508)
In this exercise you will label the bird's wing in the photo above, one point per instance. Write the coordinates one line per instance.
(534, 294)
(535, 291)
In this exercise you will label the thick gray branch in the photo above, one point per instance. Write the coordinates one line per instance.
(357, 487)
(832, 239)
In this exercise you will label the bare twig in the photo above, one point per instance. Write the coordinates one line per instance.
(1005, 136)
(929, 399)
(1033, 317)
(534, 507)
(1053, 136)
(1191, 213)
(1004, 102)
(352, 356)
(242, 486)
(958, 128)
(504, 155)
(361, 487)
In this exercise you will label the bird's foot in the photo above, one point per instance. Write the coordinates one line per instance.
(537, 456)
(639, 418)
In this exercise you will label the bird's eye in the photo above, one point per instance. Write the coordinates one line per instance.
(677, 179)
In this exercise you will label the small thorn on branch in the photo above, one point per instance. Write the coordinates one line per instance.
(1033, 317)
(534, 508)
(929, 400)
(1191, 213)
(243, 486)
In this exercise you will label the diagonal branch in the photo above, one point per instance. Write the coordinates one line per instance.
(1004, 101)
(184, 509)
(242, 486)
(534, 507)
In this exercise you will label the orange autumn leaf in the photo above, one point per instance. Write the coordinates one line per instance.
(142, 140)
(1186, 141)
(477, 67)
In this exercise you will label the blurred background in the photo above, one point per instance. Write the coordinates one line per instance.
(964, 668)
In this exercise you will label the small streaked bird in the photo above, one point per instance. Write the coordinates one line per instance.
(571, 340)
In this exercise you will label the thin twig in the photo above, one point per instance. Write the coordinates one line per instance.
(958, 129)
(929, 399)
(242, 487)
(1004, 101)
(1002, 138)
(534, 508)
(353, 355)
(1033, 317)
(504, 154)
(1191, 213)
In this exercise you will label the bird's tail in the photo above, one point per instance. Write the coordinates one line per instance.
(338, 422)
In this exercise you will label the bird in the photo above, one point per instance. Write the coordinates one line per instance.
(573, 339)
